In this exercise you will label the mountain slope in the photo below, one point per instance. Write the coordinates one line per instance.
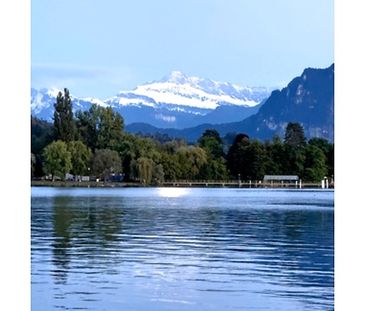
(175, 101)
(308, 99)
(179, 91)
(43, 100)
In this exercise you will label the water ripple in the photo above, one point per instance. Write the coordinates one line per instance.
(206, 250)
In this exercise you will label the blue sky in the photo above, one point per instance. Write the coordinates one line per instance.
(100, 47)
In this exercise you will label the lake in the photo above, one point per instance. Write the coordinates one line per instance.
(182, 249)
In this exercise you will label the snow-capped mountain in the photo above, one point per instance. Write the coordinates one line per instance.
(174, 101)
(307, 99)
(42, 102)
(181, 91)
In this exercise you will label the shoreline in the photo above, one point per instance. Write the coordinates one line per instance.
(176, 184)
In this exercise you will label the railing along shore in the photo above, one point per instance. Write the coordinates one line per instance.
(183, 183)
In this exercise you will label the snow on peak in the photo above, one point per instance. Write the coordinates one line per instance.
(175, 91)
(94, 101)
(53, 91)
(181, 90)
(175, 77)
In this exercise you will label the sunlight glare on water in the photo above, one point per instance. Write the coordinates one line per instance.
(182, 249)
(173, 192)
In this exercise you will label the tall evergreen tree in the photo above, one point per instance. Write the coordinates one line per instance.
(235, 153)
(294, 135)
(63, 117)
(215, 168)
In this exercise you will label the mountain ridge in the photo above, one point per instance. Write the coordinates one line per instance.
(174, 101)
(307, 99)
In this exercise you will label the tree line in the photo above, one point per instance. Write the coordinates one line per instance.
(93, 142)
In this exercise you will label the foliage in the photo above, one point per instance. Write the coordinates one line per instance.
(57, 159)
(102, 144)
(110, 127)
(42, 134)
(145, 169)
(235, 154)
(254, 160)
(63, 117)
(212, 143)
(294, 135)
(33, 164)
(328, 150)
(215, 168)
(315, 166)
(99, 127)
(275, 157)
(190, 160)
(80, 157)
(158, 173)
(294, 158)
(249, 159)
(106, 162)
(131, 148)
(86, 125)
(170, 166)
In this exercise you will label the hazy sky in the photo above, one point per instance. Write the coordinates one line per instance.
(99, 47)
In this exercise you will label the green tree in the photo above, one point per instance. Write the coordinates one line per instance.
(215, 168)
(110, 128)
(294, 160)
(328, 150)
(235, 154)
(190, 159)
(247, 158)
(212, 143)
(158, 173)
(33, 164)
(275, 157)
(294, 135)
(330, 161)
(294, 149)
(80, 157)
(63, 117)
(145, 169)
(106, 162)
(254, 161)
(170, 165)
(42, 133)
(131, 148)
(126, 151)
(87, 126)
(315, 168)
(99, 127)
(57, 159)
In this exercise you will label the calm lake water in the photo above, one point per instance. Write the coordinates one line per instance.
(182, 249)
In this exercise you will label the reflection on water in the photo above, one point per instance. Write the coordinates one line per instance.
(173, 192)
(182, 249)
